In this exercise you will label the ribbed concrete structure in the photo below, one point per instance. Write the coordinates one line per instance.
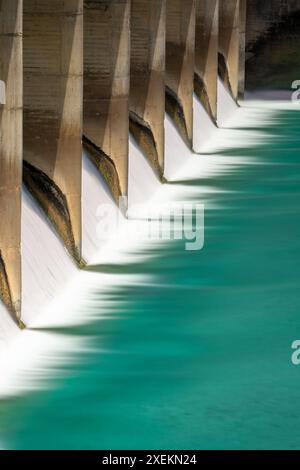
(147, 78)
(93, 71)
(180, 57)
(106, 89)
(206, 54)
(11, 153)
(53, 74)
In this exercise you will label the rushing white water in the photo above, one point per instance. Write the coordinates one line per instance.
(203, 126)
(56, 293)
(143, 183)
(8, 330)
(46, 268)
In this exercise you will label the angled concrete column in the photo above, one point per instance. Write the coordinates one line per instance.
(53, 73)
(206, 54)
(180, 51)
(106, 89)
(147, 87)
(10, 154)
(229, 44)
(242, 58)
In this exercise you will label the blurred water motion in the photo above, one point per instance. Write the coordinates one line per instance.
(165, 348)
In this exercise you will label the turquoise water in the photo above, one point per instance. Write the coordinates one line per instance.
(200, 357)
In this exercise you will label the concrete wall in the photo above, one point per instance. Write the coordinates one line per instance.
(206, 54)
(147, 78)
(229, 44)
(53, 73)
(11, 154)
(272, 43)
(106, 89)
(180, 49)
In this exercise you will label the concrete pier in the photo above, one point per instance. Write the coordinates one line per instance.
(89, 72)
(106, 89)
(206, 54)
(11, 154)
(53, 74)
(180, 52)
(147, 77)
(229, 44)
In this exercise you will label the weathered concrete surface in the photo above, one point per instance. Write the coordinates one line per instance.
(106, 89)
(53, 74)
(180, 54)
(147, 87)
(262, 15)
(272, 43)
(206, 54)
(229, 44)
(11, 154)
(242, 58)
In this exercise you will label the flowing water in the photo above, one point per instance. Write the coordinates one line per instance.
(168, 348)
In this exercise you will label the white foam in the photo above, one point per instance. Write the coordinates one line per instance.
(269, 95)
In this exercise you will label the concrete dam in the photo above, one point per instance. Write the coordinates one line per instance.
(87, 84)
(150, 224)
